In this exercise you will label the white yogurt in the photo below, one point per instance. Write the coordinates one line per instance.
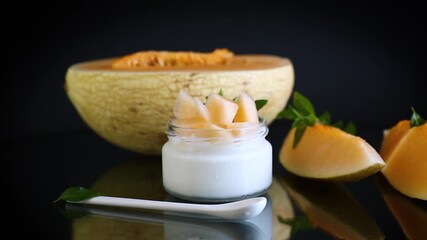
(217, 170)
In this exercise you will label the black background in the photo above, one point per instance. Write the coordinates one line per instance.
(362, 61)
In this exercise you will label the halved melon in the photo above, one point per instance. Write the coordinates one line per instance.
(130, 107)
(405, 152)
(247, 111)
(326, 152)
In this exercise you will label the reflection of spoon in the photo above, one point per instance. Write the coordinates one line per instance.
(238, 210)
(177, 225)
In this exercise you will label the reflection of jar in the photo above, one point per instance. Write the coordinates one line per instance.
(217, 165)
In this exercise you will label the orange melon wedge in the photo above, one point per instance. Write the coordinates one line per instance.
(405, 151)
(185, 107)
(326, 152)
(222, 110)
(247, 111)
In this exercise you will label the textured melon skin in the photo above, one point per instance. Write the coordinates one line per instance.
(131, 108)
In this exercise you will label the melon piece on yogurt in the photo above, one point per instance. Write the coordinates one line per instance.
(247, 111)
(185, 106)
(222, 110)
(190, 112)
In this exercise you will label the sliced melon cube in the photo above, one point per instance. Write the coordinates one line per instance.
(202, 110)
(222, 110)
(185, 106)
(247, 111)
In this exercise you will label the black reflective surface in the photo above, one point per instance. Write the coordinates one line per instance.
(40, 168)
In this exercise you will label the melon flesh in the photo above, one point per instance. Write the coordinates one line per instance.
(392, 138)
(247, 111)
(327, 152)
(406, 165)
(185, 106)
(222, 110)
(202, 110)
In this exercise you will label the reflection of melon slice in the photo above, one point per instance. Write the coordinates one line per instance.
(405, 151)
(327, 152)
(331, 207)
(222, 110)
(411, 216)
(247, 111)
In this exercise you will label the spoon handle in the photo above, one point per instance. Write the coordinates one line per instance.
(149, 204)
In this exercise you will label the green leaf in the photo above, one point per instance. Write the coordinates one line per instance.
(74, 194)
(299, 131)
(235, 99)
(350, 128)
(260, 103)
(311, 119)
(302, 104)
(289, 113)
(297, 224)
(325, 118)
(221, 93)
(302, 113)
(416, 119)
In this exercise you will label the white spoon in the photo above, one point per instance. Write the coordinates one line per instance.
(238, 210)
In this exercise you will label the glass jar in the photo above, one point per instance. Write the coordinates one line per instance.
(217, 165)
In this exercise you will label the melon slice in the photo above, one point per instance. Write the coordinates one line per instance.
(202, 110)
(331, 206)
(411, 215)
(392, 138)
(185, 106)
(326, 152)
(222, 110)
(405, 154)
(247, 111)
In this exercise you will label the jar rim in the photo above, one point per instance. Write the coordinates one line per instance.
(252, 130)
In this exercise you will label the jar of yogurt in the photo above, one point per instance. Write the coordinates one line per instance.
(217, 165)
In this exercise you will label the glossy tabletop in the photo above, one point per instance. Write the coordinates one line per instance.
(38, 169)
